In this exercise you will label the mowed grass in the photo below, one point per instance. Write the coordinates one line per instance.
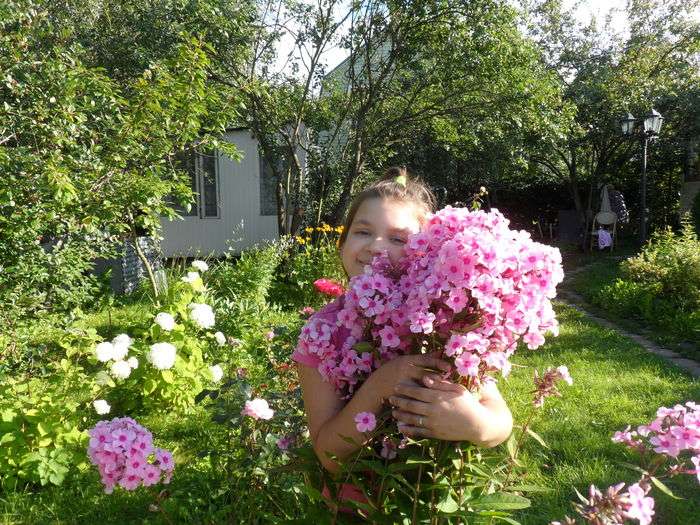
(616, 383)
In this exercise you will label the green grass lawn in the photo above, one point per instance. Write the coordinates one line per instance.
(616, 383)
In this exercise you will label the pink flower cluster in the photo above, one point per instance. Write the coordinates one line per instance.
(613, 506)
(124, 454)
(546, 385)
(328, 287)
(468, 283)
(674, 433)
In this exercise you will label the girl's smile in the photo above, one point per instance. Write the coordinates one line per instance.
(379, 225)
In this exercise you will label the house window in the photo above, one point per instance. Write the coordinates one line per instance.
(202, 168)
(268, 188)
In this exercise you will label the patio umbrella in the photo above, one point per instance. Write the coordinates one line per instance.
(605, 199)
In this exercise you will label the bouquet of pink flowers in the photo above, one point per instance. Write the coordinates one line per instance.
(469, 287)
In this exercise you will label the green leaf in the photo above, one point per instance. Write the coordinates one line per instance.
(663, 488)
(448, 505)
(500, 501)
(527, 488)
(167, 376)
(510, 447)
(537, 437)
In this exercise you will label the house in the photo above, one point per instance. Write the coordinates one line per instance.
(235, 203)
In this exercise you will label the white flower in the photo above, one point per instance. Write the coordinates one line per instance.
(200, 265)
(220, 338)
(165, 321)
(104, 351)
(133, 362)
(121, 345)
(202, 315)
(216, 373)
(190, 277)
(120, 369)
(162, 356)
(101, 406)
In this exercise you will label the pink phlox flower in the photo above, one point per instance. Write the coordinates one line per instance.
(545, 385)
(534, 339)
(457, 300)
(467, 364)
(365, 422)
(665, 444)
(422, 322)
(307, 311)
(455, 345)
(151, 475)
(122, 439)
(164, 460)
(257, 408)
(389, 337)
(641, 507)
(365, 362)
(285, 442)
(389, 447)
(130, 480)
(696, 462)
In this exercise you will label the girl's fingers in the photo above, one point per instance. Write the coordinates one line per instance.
(414, 391)
(431, 361)
(407, 418)
(413, 431)
(436, 382)
(410, 405)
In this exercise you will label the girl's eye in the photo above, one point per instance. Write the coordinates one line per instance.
(361, 232)
(398, 240)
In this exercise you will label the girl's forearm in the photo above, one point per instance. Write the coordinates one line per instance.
(329, 439)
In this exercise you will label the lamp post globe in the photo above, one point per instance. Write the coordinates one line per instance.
(652, 122)
(627, 124)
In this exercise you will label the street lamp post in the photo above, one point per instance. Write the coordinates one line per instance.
(650, 130)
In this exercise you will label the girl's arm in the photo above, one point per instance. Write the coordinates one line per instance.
(330, 419)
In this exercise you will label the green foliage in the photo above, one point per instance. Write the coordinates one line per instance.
(661, 284)
(41, 437)
(249, 277)
(695, 213)
(313, 256)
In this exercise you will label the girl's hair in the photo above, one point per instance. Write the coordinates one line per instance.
(397, 184)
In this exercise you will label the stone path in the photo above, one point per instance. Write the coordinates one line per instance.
(577, 302)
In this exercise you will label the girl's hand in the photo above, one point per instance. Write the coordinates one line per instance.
(405, 369)
(446, 410)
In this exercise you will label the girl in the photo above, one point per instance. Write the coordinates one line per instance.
(380, 219)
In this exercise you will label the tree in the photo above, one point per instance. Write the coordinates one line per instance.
(86, 160)
(604, 75)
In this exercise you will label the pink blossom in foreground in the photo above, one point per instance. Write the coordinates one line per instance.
(365, 422)
(640, 506)
(328, 287)
(674, 433)
(545, 385)
(388, 448)
(270, 335)
(257, 409)
(123, 452)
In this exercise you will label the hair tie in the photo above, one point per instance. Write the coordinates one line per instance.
(401, 179)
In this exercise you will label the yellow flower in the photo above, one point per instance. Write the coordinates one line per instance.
(299, 240)
(308, 239)
(308, 230)
(340, 229)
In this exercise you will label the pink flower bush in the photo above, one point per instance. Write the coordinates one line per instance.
(468, 284)
(123, 452)
(257, 409)
(365, 422)
(328, 287)
(285, 442)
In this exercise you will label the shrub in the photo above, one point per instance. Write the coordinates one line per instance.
(695, 212)
(40, 435)
(310, 258)
(660, 285)
(249, 277)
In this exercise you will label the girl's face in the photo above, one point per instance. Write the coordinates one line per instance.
(379, 225)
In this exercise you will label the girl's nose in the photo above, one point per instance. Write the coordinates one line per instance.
(377, 246)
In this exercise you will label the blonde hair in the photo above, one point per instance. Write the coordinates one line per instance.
(397, 184)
